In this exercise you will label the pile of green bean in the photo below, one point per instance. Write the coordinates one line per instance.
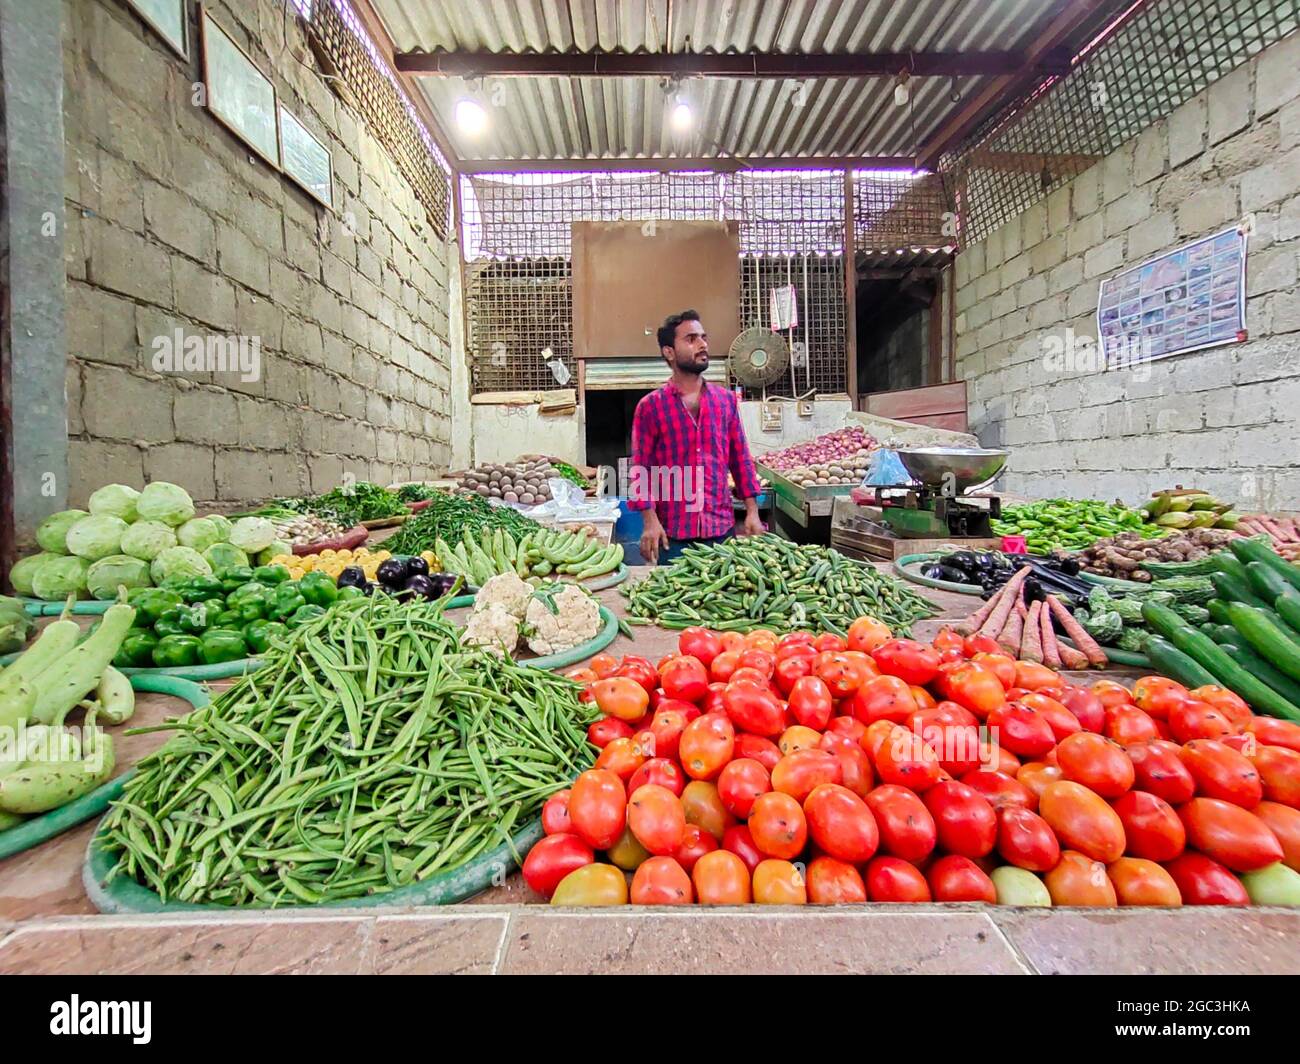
(768, 582)
(370, 752)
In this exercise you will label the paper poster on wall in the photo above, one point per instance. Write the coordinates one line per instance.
(784, 308)
(305, 158)
(1184, 300)
(167, 19)
(239, 95)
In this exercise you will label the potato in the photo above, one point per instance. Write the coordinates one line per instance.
(483, 489)
(527, 498)
(511, 496)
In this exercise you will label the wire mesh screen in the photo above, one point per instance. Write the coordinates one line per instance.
(818, 342)
(521, 323)
(1167, 53)
(900, 208)
(370, 89)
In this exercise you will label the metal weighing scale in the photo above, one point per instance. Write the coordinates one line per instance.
(943, 506)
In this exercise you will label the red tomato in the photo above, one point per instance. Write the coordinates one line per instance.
(1157, 695)
(778, 826)
(1201, 881)
(907, 829)
(754, 677)
(994, 759)
(1032, 676)
(811, 703)
(841, 673)
(583, 676)
(1128, 724)
(943, 714)
(1095, 761)
(1025, 840)
(685, 678)
(830, 641)
(956, 745)
(1002, 665)
(975, 686)
(924, 700)
(1036, 775)
(867, 633)
(789, 671)
(1273, 732)
(1062, 722)
(1082, 820)
(740, 782)
(1230, 704)
(1279, 771)
(739, 841)
(722, 666)
(832, 882)
(700, 644)
(1152, 830)
(795, 638)
(603, 665)
(553, 858)
(1229, 834)
(890, 879)
(1077, 879)
(1022, 730)
(1086, 707)
(763, 661)
(849, 726)
(1141, 882)
(874, 737)
(1112, 694)
(966, 823)
(1221, 772)
(555, 814)
(667, 726)
(622, 757)
(797, 737)
(1198, 720)
(622, 697)
(910, 661)
(661, 772)
(855, 767)
(799, 773)
(657, 819)
(755, 747)
(704, 807)
(779, 883)
(841, 824)
(1284, 823)
(706, 746)
(1159, 769)
(761, 639)
(640, 670)
(710, 703)
(957, 878)
(721, 878)
(1000, 789)
(906, 760)
(754, 709)
(882, 698)
(602, 732)
(732, 641)
(696, 842)
(661, 881)
(598, 808)
(980, 644)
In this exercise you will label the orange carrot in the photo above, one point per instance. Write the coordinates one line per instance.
(1051, 651)
(1009, 639)
(1032, 648)
(997, 620)
(973, 622)
(1082, 640)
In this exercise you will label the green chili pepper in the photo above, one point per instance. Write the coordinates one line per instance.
(176, 651)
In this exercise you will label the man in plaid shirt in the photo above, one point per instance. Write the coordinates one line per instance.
(686, 436)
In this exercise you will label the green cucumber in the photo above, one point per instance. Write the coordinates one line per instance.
(1218, 611)
(1257, 666)
(1266, 638)
(1266, 581)
(1288, 609)
(1252, 550)
(1224, 633)
(1227, 562)
(1172, 662)
(1230, 589)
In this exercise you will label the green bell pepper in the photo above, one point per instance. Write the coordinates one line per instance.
(234, 577)
(195, 618)
(350, 593)
(221, 644)
(249, 589)
(304, 615)
(175, 651)
(228, 619)
(136, 651)
(214, 606)
(259, 635)
(150, 603)
(286, 600)
(169, 622)
(318, 589)
(271, 574)
(251, 609)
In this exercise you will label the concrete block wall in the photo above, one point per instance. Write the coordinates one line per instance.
(173, 224)
(1226, 419)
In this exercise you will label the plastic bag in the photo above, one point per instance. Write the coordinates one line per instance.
(568, 502)
(886, 470)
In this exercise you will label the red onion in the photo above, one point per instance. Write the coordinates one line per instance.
(843, 443)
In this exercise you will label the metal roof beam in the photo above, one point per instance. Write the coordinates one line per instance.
(719, 164)
(719, 64)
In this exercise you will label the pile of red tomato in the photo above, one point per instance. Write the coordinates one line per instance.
(828, 770)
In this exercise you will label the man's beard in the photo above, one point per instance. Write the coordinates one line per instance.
(692, 366)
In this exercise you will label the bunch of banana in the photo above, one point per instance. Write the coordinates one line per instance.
(1188, 508)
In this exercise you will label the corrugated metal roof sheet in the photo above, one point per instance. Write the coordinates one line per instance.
(552, 117)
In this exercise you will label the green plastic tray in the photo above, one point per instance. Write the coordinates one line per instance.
(908, 567)
(37, 829)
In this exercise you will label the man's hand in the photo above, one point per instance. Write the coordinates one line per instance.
(653, 537)
(753, 525)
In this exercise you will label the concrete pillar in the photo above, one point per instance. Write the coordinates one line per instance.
(33, 349)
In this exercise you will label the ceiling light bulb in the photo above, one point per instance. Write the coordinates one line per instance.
(901, 94)
(470, 117)
(683, 117)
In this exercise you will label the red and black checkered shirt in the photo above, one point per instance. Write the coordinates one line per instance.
(679, 465)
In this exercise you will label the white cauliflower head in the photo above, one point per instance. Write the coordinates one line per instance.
(505, 589)
(576, 619)
(494, 628)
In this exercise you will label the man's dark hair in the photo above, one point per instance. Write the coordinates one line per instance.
(668, 330)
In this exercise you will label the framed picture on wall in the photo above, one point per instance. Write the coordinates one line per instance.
(305, 158)
(238, 94)
(167, 19)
